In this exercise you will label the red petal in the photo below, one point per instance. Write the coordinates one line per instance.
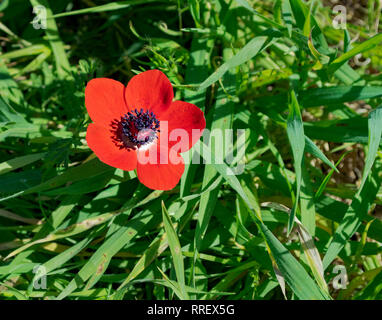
(149, 90)
(104, 100)
(163, 175)
(101, 140)
(186, 123)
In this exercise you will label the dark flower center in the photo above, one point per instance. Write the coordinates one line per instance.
(139, 127)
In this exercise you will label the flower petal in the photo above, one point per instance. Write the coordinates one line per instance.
(186, 123)
(164, 172)
(104, 100)
(150, 90)
(101, 140)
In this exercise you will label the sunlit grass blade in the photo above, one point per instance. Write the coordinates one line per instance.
(88, 169)
(176, 250)
(156, 248)
(287, 15)
(65, 256)
(311, 147)
(117, 5)
(250, 50)
(173, 285)
(365, 194)
(324, 182)
(231, 278)
(100, 259)
(363, 47)
(20, 162)
(359, 281)
(295, 131)
(375, 132)
(196, 72)
(295, 275)
(67, 232)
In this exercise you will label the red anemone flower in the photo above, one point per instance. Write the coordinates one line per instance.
(140, 127)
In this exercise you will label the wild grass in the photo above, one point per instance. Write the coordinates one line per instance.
(306, 210)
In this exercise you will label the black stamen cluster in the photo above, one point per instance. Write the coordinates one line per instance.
(137, 120)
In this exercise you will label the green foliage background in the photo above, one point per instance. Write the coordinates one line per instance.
(310, 195)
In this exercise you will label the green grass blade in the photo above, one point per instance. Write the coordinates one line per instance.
(67, 232)
(295, 131)
(365, 195)
(287, 15)
(363, 47)
(375, 132)
(324, 182)
(250, 50)
(83, 171)
(295, 275)
(62, 62)
(311, 147)
(97, 263)
(308, 208)
(19, 162)
(311, 252)
(176, 251)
